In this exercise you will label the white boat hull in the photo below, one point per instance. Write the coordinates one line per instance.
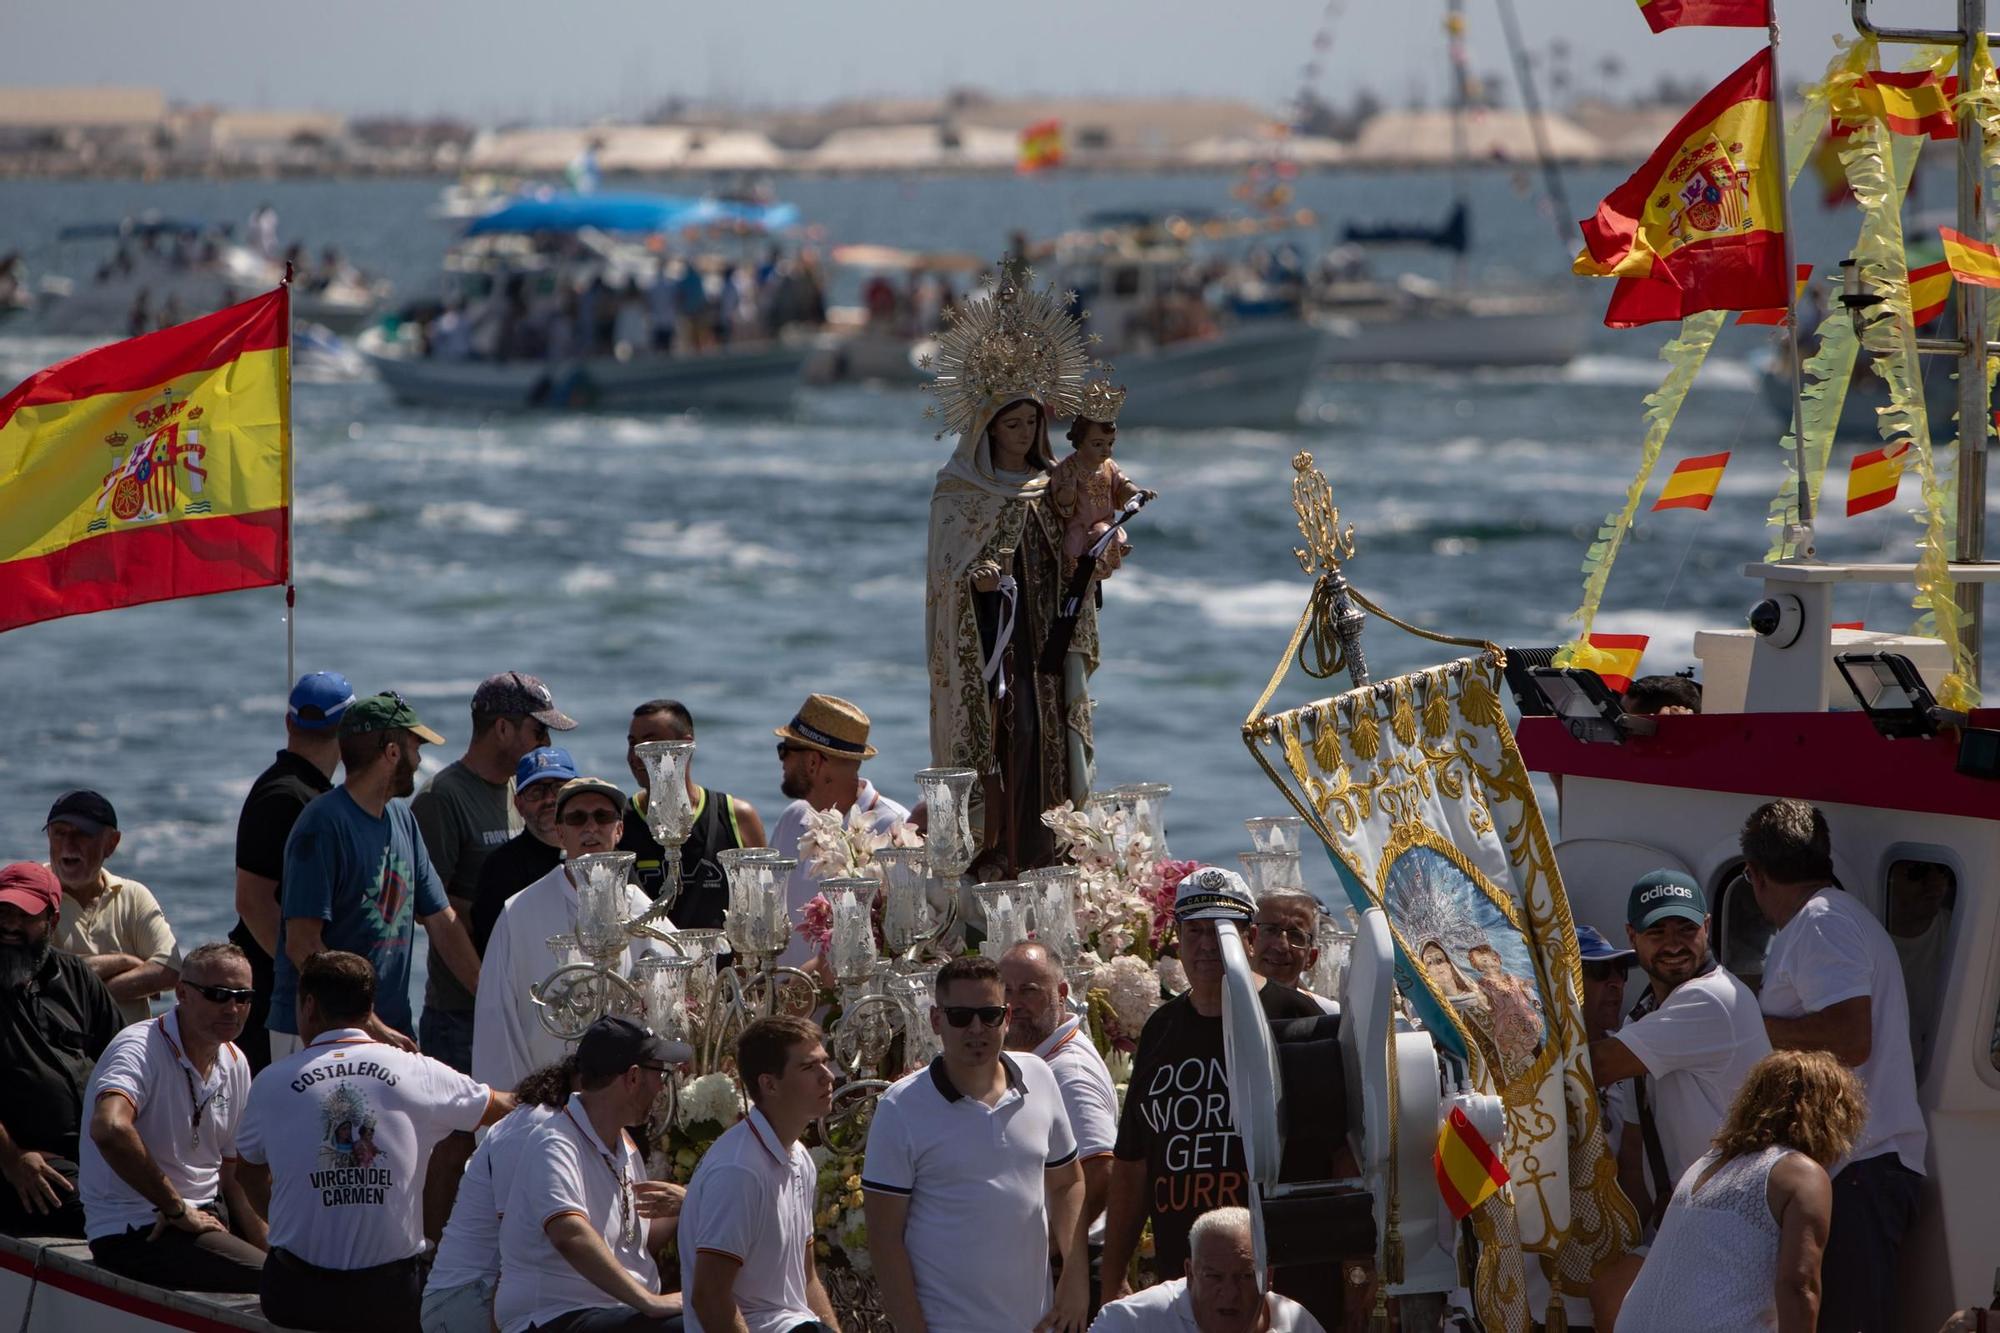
(1255, 375)
(52, 1287)
(1496, 331)
(864, 358)
(759, 379)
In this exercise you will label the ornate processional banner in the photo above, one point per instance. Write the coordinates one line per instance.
(1417, 788)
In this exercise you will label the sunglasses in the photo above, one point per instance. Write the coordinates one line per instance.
(1292, 935)
(1606, 971)
(221, 994)
(578, 818)
(787, 748)
(961, 1015)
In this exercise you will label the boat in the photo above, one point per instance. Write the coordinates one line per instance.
(51, 1286)
(533, 256)
(877, 342)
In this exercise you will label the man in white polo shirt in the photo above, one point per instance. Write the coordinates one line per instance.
(341, 1134)
(1690, 1040)
(746, 1237)
(160, 1156)
(1220, 1293)
(582, 1222)
(508, 1039)
(1039, 1023)
(1833, 982)
(970, 1169)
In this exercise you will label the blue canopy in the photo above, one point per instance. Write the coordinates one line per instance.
(630, 213)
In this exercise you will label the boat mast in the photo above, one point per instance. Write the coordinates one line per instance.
(1970, 347)
(1538, 127)
(1461, 96)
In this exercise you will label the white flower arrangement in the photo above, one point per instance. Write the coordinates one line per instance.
(837, 846)
(711, 1099)
(1132, 986)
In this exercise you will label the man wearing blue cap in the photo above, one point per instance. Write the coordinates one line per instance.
(531, 853)
(1691, 1039)
(303, 770)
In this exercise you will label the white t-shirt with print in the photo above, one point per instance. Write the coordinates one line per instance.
(751, 1200)
(566, 1168)
(1835, 950)
(1698, 1047)
(346, 1127)
(145, 1063)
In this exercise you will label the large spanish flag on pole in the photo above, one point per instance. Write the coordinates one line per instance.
(1664, 14)
(1701, 225)
(153, 468)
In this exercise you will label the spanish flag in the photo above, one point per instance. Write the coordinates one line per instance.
(1911, 102)
(1664, 14)
(1614, 657)
(1826, 163)
(1972, 261)
(1874, 475)
(149, 469)
(1777, 315)
(1700, 226)
(1930, 291)
(1041, 146)
(1469, 1172)
(1693, 482)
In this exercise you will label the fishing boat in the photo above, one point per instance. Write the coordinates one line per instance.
(524, 266)
(877, 341)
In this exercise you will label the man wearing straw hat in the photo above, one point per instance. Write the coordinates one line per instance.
(820, 752)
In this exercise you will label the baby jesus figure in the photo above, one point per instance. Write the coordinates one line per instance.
(1087, 489)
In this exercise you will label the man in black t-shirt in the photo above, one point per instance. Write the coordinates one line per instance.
(721, 822)
(1178, 1155)
(531, 853)
(56, 1018)
(303, 770)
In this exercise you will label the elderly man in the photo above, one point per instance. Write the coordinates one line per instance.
(302, 773)
(820, 752)
(1039, 1022)
(160, 1159)
(582, 1222)
(509, 1040)
(464, 816)
(970, 1171)
(1284, 942)
(721, 822)
(357, 877)
(1833, 982)
(534, 851)
(56, 1018)
(112, 923)
(338, 1137)
(1219, 1294)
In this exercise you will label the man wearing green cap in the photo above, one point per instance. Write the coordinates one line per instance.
(1692, 1038)
(357, 877)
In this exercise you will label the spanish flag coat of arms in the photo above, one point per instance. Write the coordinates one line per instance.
(149, 469)
(1701, 225)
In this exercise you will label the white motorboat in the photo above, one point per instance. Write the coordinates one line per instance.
(1252, 375)
(881, 341)
(1416, 322)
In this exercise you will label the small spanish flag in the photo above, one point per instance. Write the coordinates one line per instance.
(1615, 658)
(1930, 291)
(1664, 14)
(1826, 163)
(1041, 146)
(1973, 261)
(1873, 476)
(1913, 102)
(1469, 1172)
(1776, 314)
(1849, 624)
(1693, 482)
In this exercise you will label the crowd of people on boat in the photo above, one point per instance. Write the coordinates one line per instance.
(289, 1127)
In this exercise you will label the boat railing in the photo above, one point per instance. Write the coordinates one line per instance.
(42, 1278)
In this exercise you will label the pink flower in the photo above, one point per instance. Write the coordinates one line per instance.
(1167, 876)
(816, 923)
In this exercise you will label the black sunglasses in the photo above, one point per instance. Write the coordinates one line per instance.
(1606, 971)
(786, 747)
(221, 994)
(578, 818)
(961, 1015)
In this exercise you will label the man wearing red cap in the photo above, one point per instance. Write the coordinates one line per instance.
(56, 1018)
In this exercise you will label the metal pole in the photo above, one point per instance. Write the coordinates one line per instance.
(1800, 537)
(1454, 26)
(291, 562)
(1972, 396)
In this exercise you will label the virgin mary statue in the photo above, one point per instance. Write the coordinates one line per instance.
(1007, 364)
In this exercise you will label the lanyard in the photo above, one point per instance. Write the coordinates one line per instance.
(627, 1206)
(199, 1102)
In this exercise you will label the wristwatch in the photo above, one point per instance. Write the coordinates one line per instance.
(177, 1214)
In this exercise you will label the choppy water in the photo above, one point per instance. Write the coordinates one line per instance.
(739, 565)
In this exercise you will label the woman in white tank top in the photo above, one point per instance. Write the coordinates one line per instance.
(1740, 1245)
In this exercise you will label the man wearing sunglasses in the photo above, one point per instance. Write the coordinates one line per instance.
(970, 1170)
(160, 1158)
(535, 850)
(508, 1039)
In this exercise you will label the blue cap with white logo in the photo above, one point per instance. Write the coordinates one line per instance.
(1662, 894)
(318, 700)
(1596, 949)
(550, 761)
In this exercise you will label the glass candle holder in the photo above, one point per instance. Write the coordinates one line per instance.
(1003, 914)
(1336, 948)
(663, 982)
(601, 880)
(947, 797)
(1273, 872)
(851, 948)
(669, 807)
(1146, 802)
(564, 950)
(907, 920)
(756, 921)
(915, 992)
(1052, 891)
(1277, 833)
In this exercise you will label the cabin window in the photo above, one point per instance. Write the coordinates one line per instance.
(1125, 281)
(1742, 934)
(1917, 910)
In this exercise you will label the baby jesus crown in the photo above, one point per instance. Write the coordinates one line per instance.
(1101, 402)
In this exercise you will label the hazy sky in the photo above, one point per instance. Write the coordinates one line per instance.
(495, 60)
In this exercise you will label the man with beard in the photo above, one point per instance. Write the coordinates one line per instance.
(357, 878)
(56, 1018)
(1039, 1022)
(1691, 1039)
(535, 850)
(721, 822)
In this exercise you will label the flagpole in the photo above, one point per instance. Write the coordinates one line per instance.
(1800, 538)
(291, 556)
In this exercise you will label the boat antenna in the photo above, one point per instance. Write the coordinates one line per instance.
(1798, 537)
(1538, 130)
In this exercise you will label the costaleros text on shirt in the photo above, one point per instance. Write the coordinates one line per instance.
(365, 1069)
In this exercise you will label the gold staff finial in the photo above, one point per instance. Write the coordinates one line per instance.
(1327, 543)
